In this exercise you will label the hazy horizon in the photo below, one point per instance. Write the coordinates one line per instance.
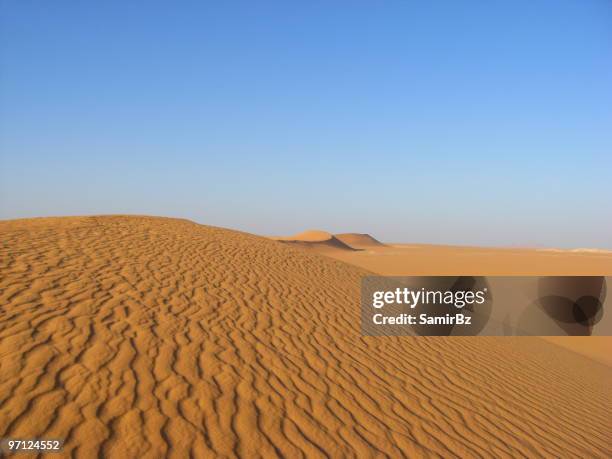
(472, 124)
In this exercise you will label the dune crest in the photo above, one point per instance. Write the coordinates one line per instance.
(153, 337)
(309, 236)
(316, 240)
(325, 242)
(359, 240)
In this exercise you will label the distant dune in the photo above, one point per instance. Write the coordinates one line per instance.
(316, 240)
(308, 236)
(152, 337)
(362, 241)
(322, 240)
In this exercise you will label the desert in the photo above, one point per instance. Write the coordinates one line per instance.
(134, 336)
(305, 230)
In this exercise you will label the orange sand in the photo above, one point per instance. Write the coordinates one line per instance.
(320, 241)
(432, 260)
(145, 337)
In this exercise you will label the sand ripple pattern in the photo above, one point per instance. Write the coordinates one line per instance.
(149, 337)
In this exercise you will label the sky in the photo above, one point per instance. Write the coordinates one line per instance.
(473, 122)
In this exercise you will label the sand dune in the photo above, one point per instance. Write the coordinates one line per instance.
(320, 241)
(323, 241)
(431, 260)
(145, 337)
(308, 236)
(361, 241)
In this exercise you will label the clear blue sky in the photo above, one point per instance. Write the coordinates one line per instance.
(474, 122)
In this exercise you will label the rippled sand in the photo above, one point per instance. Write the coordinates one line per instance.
(145, 337)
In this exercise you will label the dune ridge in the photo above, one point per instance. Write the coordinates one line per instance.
(359, 240)
(317, 240)
(145, 337)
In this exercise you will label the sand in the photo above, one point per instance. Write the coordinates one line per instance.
(359, 240)
(433, 260)
(145, 337)
(316, 240)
